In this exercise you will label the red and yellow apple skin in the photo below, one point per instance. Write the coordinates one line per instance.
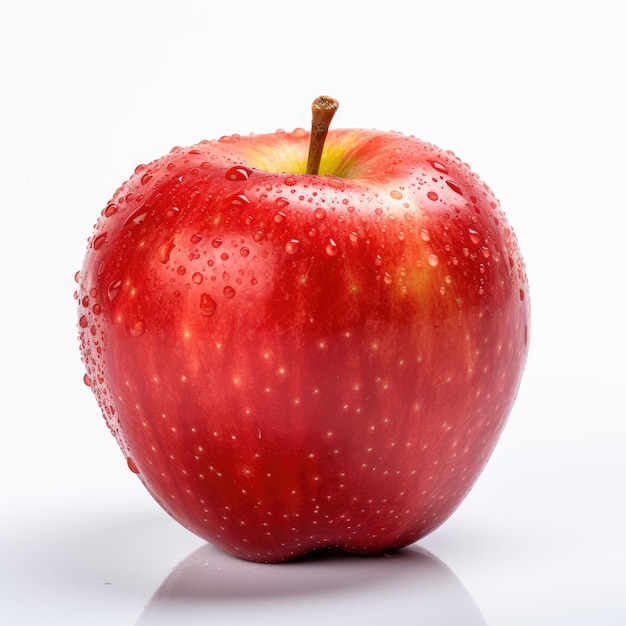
(291, 362)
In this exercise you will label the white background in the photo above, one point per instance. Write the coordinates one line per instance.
(531, 94)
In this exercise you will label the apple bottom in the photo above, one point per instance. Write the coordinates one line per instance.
(303, 447)
(260, 512)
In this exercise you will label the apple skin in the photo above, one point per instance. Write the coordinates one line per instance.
(293, 362)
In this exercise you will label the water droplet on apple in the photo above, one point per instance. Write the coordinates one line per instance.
(331, 248)
(281, 203)
(137, 328)
(146, 178)
(132, 466)
(474, 236)
(395, 194)
(280, 216)
(387, 279)
(239, 200)
(336, 183)
(290, 181)
(454, 186)
(111, 209)
(87, 380)
(163, 252)
(244, 251)
(98, 242)
(83, 322)
(197, 278)
(196, 238)
(238, 172)
(217, 242)
(291, 247)
(424, 234)
(433, 260)
(319, 214)
(180, 270)
(114, 288)
(299, 133)
(440, 167)
(432, 195)
(229, 292)
(258, 235)
(136, 218)
(207, 305)
(97, 309)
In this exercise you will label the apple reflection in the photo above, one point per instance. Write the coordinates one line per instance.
(407, 587)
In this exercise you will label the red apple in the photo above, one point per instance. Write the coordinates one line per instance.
(292, 361)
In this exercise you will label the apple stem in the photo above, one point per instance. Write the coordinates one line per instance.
(324, 109)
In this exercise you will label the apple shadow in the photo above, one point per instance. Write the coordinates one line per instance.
(107, 563)
(407, 587)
